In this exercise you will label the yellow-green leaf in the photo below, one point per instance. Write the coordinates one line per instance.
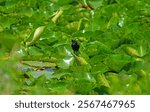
(36, 35)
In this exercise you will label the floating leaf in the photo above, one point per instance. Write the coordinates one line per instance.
(102, 81)
(81, 60)
(57, 15)
(131, 51)
(117, 61)
(39, 64)
(36, 35)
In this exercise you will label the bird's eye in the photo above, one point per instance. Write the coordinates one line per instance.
(75, 46)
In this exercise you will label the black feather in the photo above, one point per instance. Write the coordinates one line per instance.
(75, 46)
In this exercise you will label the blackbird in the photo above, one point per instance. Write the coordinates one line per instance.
(75, 46)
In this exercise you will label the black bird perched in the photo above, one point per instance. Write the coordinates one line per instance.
(75, 46)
